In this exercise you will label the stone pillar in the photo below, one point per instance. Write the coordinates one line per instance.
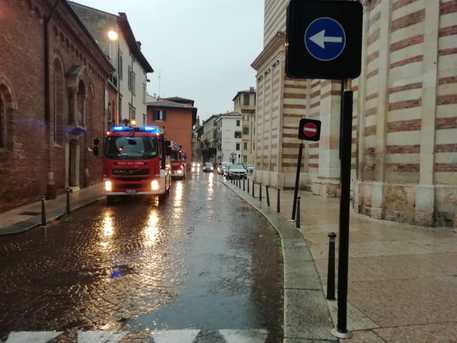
(329, 162)
(377, 198)
(425, 191)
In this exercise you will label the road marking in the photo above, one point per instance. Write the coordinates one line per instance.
(35, 337)
(244, 336)
(100, 336)
(160, 336)
(175, 336)
(320, 39)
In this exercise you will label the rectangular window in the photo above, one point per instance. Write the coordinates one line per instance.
(129, 78)
(144, 93)
(159, 115)
(245, 131)
(245, 146)
(132, 112)
(245, 159)
(120, 67)
(237, 134)
(246, 99)
(238, 122)
(237, 146)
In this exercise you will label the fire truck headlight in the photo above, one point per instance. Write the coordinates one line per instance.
(155, 186)
(108, 186)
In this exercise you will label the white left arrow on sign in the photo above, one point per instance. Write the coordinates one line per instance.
(320, 39)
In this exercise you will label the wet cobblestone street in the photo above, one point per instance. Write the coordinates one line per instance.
(202, 260)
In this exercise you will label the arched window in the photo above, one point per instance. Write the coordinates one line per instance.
(7, 104)
(81, 103)
(2, 122)
(57, 120)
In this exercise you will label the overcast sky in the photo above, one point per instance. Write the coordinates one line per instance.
(202, 49)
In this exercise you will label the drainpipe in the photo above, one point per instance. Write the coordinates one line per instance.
(50, 187)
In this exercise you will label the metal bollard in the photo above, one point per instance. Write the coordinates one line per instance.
(244, 185)
(278, 201)
(249, 182)
(260, 192)
(253, 188)
(44, 220)
(267, 190)
(297, 215)
(331, 267)
(68, 209)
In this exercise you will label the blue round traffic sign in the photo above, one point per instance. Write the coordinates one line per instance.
(325, 39)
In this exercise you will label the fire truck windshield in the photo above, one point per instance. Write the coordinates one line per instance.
(131, 148)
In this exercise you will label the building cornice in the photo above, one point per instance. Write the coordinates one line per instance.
(274, 44)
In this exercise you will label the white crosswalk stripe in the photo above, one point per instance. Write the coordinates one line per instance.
(175, 336)
(100, 337)
(244, 336)
(159, 336)
(35, 337)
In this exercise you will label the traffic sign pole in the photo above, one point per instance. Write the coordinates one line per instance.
(297, 180)
(343, 259)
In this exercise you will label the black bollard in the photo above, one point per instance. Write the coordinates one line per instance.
(260, 192)
(244, 185)
(249, 191)
(267, 191)
(253, 188)
(68, 209)
(331, 267)
(278, 201)
(44, 220)
(297, 215)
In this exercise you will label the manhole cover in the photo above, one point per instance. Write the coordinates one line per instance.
(30, 213)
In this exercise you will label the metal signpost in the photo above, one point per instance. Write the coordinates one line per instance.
(325, 42)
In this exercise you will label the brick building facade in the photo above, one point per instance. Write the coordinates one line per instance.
(176, 116)
(405, 123)
(46, 132)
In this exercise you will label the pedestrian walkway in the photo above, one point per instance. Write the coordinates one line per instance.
(29, 216)
(402, 278)
(169, 336)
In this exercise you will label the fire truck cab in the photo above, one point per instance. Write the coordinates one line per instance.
(135, 162)
(177, 161)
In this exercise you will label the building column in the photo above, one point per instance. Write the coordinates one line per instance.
(377, 199)
(361, 109)
(425, 191)
(329, 161)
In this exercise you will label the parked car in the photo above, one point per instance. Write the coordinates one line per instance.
(237, 171)
(250, 169)
(224, 168)
(208, 167)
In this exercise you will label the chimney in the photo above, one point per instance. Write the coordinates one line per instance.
(139, 44)
(252, 89)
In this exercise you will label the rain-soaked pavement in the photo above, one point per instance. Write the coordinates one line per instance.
(202, 260)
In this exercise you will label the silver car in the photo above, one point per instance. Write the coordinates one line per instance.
(237, 171)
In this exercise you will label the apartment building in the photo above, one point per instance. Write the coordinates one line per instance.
(229, 132)
(405, 103)
(115, 37)
(244, 103)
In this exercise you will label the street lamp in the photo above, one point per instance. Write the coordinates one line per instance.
(113, 35)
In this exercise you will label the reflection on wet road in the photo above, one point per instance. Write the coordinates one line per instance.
(201, 260)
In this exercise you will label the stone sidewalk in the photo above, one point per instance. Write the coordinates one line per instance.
(402, 278)
(29, 216)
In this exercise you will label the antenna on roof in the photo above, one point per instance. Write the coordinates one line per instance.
(159, 82)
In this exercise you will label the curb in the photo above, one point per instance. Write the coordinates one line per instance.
(35, 222)
(306, 314)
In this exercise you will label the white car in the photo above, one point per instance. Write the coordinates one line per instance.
(237, 171)
(208, 167)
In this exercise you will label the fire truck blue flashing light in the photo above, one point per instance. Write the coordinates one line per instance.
(119, 128)
(152, 129)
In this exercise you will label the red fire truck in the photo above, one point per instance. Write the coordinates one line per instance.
(135, 162)
(177, 161)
